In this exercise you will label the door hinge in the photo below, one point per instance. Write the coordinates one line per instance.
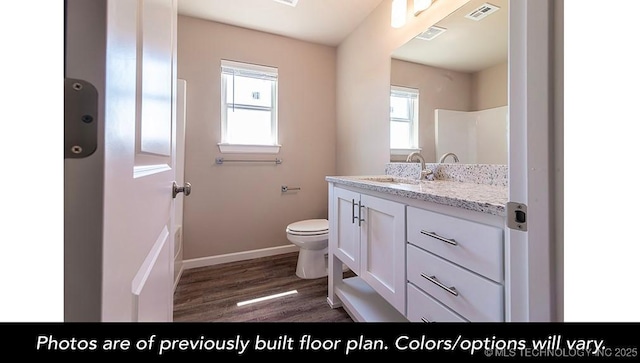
(517, 216)
(80, 118)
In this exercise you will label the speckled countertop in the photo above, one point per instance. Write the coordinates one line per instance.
(484, 198)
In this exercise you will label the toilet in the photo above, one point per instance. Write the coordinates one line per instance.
(312, 236)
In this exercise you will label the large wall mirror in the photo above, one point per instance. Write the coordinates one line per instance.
(449, 88)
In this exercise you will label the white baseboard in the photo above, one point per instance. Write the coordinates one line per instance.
(237, 256)
(175, 282)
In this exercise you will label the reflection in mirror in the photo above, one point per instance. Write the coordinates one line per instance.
(404, 118)
(458, 71)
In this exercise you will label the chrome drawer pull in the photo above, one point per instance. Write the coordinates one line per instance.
(433, 235)
(353, 211)
(452, 290)
(425, 320)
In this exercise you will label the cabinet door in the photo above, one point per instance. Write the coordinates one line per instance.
(382, 246)
(344, 240)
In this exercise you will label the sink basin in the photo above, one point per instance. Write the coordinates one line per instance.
(391, 180)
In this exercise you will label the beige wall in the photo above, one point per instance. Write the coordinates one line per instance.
(439, 88)
(239, 207)
(489, 87)
(363, 78)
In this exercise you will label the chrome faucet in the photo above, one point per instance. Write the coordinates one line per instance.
(455, 157)
(424, 171)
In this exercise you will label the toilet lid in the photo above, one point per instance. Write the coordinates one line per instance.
(309, 226)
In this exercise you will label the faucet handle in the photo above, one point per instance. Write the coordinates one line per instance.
(425, 173)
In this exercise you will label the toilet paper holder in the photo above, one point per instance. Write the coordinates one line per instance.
(285, 188)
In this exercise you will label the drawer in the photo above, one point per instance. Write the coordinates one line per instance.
(423, 308)
(477, 247)
(468, 294)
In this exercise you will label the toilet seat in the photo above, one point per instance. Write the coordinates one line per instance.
(309, 227)
(311, 236)
(307, 233)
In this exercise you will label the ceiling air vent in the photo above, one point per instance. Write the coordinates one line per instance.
(482, 12)
(431, 33)
(288, 2)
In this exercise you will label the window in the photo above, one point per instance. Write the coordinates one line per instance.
(404, 120)
(249, 112)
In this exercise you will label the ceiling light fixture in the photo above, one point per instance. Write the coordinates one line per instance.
(288, 2)
(398, 13)
(420, 6)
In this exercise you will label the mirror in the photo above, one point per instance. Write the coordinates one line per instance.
(458, 68)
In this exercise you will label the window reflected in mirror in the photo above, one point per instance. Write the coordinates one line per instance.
(404, 116)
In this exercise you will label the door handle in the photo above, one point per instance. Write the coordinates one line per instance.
(186, 189)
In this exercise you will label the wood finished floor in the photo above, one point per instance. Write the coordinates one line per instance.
(210, 294)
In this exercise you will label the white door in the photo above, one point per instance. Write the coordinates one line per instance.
(137, 117)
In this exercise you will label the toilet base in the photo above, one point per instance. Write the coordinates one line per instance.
(312, 264)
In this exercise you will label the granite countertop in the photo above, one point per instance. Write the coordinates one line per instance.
(484, 198)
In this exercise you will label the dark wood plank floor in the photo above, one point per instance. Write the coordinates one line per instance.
(210, 294)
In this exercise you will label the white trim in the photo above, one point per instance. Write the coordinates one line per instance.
(538, 122)
(177, 258)
(145, 270)
(150, 260)
(145, 170)
(237, 256)
(405, 151)
(177, 280)
(528, 286)
(413, 92)
(249, 149)
(249, 66)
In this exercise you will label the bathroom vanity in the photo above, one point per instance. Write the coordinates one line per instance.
(423, 251)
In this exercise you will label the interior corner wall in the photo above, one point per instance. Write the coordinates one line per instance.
(363, 81)
(489, 87)
(238, 207)
(438, 88)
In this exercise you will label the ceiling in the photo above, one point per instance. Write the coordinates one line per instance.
(319, 21)
(466, 45)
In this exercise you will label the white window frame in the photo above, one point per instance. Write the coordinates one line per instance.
(258, 71)
(414, 119)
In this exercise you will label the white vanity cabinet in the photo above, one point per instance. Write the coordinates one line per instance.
(415, 260)
(367, 234)
(458, 263)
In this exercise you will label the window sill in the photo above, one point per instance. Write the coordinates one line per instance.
(404, 151)
(249, 149)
